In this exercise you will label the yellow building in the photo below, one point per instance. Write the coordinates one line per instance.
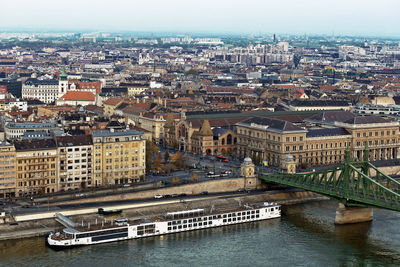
(110, 105)
(119, 157)
(134, 90)
(153, 123)
(36, 167)
(7, 170)
(271, 140)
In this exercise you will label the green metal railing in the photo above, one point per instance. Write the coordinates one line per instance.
(349, 184)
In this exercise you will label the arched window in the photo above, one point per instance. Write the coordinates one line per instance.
(229, 139)
(223, 141)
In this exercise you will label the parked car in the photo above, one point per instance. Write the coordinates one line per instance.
(158, 196)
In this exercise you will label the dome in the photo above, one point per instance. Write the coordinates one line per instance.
(288, 158)
(247, 161)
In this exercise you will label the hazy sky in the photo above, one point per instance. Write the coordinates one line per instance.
(359, 17)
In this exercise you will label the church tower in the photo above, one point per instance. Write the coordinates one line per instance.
(62, 83)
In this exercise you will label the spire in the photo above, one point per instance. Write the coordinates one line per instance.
(205, 129)
(63, 75)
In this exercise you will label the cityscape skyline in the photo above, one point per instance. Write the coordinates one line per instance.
(356, 18)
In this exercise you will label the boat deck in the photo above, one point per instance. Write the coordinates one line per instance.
(108, 224)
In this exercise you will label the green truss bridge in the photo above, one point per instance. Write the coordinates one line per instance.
(354, 184)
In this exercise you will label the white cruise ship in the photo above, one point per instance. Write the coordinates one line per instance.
(174, 222)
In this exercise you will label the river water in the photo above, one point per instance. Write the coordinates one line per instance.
(304, 236)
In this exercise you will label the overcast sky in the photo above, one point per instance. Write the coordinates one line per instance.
(341, 17)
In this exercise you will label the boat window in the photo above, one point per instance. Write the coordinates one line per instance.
(229, 215)
(210, 218)
(200, 224)
(210, 222)
(205, 223)
(272, 209)
(248, 212)
(243, 218)
(195, 225)
(190, 225)
(252, 212)
(190, 220)
(257, 216)
(214, 217)
(169, 228)
(184, 221)
(248, 217)
(224, 220)
(257, 211)
(169, 223)
(179, 226)
(239, 218)
(224, 215)
(252, 216)
(174, 227)
(184, 226)
(229, 220)
(234, 219)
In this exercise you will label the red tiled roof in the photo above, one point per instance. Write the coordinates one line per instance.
(78, 95)
(113, 101)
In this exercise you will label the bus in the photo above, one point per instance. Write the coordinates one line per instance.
(222, 159)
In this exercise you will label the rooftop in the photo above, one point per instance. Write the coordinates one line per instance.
(272, 124)
(106, 133)
(327, 132)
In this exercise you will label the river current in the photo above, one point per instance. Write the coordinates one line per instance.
(304, 236)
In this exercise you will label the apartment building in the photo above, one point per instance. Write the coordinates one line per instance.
(75, 164)
(17, 130)
(119, 157)
(7, 170)
(36, 167)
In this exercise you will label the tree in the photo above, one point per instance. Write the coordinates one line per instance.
(166, 156)
(175, 180)
(168, 167)
(195, 177)
(157, 163)
(14, 109)
(178, 160)
(151, 150)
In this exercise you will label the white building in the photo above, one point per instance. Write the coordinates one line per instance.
(47, 91)
(19, 104)
(75, 165)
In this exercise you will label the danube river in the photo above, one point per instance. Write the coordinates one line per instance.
(304, 236)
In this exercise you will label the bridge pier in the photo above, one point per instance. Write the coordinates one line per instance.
(346, 215)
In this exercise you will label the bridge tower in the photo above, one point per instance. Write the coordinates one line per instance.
(346, 214)
(247, 170)
(289, 165)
